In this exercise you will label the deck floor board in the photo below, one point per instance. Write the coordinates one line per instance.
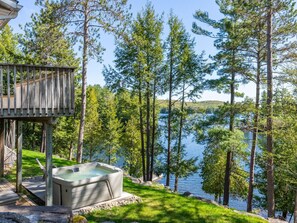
(7, 193)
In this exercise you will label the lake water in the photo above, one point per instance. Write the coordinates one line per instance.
(193, 183)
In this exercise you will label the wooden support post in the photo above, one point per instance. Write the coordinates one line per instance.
(2, 135)
(49, 172)
(19, 156)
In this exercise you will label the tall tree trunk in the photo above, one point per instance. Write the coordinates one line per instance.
(181, 122)
(231, 128)
(109, 155)
(255, 136)
(84, 87)
(141, 131)
(33, 131)
(295, 209)
(153, 131)
(169, 120)
(284, 214)
(43, 139)
(270, 165)
(70, 151)
(148, 130)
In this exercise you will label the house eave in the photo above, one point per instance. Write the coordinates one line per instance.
(8, 10)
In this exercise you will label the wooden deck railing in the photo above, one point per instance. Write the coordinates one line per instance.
(36, 91)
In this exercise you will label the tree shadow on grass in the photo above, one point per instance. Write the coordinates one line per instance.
(160, 206)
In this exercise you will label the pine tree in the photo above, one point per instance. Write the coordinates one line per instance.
(219, 140)
(9, 52)
(93, 126)
(39, 35)
(173, 47)
(111, 125)
(138, 63)
(86, 19)
(229, 62)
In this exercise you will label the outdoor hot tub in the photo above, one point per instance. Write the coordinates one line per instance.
(86, 184)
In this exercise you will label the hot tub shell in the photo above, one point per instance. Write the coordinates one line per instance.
(88, 191)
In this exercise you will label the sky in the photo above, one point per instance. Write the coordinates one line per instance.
(184, 9)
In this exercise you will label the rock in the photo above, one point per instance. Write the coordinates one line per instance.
(108, 205)
(10, 217)
(187, 194)
(79, 219)
(147, 183)
(168, 188)
(274, 220)
(207, 200)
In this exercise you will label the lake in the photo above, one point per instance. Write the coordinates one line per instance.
(193, 183)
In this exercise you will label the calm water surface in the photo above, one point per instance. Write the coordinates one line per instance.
(193, 183)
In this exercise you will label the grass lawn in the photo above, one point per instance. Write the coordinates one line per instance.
(161, 206)
(31, 167)
(158, 205)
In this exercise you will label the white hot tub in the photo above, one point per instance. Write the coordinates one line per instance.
(86, 184)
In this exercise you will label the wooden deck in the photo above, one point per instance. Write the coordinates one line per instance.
(36, 91)
(7, 194)
(36, 188)
(54, 214)
(11, 202)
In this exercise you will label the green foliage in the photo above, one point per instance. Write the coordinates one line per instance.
(285, 154)
(230, 63)
(64, 135)
(32, 135)
(39, 36)
(128, 112)
(193, 107)
(9, 52)
(219, 141)
(130, 143)
(111, 125)
(93, 125)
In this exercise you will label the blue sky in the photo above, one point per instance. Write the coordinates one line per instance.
(184, 9)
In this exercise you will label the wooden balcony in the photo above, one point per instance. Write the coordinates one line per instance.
(29, 91)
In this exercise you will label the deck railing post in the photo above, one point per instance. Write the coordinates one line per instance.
(2, 135)
(63, 91)
(69, 73)
(22, 97)
(45, 90)
(40, 91)
(28, 91)
(34, 92)
(8, 90)
(19, 156)
(14, 88)
(72, 90)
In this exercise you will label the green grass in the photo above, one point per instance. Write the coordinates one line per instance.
(161, 206)
(158, 204)
(31, 167)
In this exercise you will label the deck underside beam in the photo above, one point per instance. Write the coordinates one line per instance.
(49, 163)
(19, 156)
